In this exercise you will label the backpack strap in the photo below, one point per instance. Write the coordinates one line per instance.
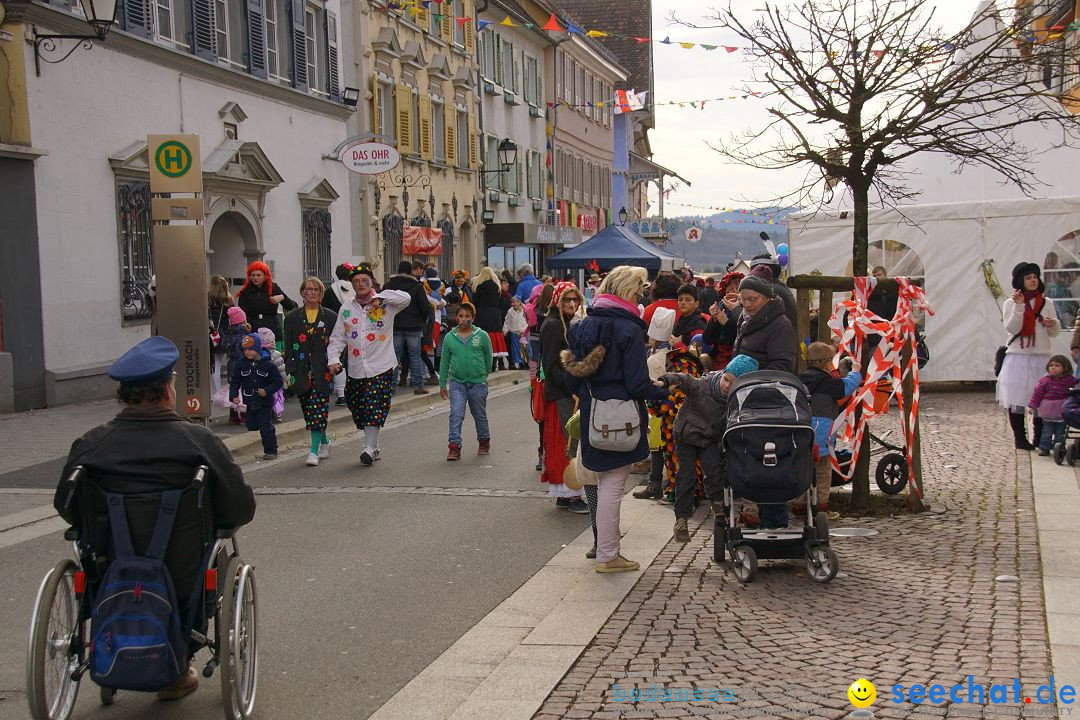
(170, 502)
(121, 534)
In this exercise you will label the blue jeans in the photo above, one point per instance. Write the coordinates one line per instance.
(261, 418)
(1053, 432)
(409, 341)
(475, 395)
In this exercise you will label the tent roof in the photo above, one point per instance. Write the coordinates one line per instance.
(615, 245)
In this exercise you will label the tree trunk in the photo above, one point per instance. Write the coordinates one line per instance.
(860, 480)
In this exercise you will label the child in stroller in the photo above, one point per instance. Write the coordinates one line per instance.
(1068, 450)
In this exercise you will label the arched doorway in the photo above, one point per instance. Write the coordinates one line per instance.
(232, 245)
(1061, 276)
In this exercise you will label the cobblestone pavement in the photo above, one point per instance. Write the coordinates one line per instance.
(916, 603)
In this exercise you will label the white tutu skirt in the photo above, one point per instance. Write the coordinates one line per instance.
(1019, 373)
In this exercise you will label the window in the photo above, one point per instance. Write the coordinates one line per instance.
(136, 249)
(531, 74)
(492, 180)
(164, 19)
(463, 141)
(487, 54)
(386, 109)
(221, 20)
(416, 122)
(507, 76)
(316, 222)
(312, 48)
(272, 66)
(231, 131)
(438, 131)
(534, 171)
(459, 27)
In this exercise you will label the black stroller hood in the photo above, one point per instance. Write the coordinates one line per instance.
(768, 397)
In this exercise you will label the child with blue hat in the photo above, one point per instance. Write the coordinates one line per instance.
(253, 382)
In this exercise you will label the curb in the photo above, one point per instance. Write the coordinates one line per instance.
(245, 445)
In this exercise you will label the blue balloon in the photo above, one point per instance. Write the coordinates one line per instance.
(782, 249)
(782, 259)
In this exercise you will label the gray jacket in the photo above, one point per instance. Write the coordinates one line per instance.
(701, 419)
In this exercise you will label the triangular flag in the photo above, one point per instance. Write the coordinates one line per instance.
(481, 24)
(461, 21)
(666, 41)
(642, 40)
(730, 49)
(710, 47)
(530, 26)
(572, 28)
(508, 22)
(686, 45)
(596, 33)
(703, 104)
(553, 25)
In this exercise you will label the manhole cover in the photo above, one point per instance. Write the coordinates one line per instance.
(1007, 579)
(852, 532)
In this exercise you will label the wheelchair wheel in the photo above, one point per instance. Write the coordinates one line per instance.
(822, 564)
(50, 662)
(744, 563)
(892, 473)
(237, 638)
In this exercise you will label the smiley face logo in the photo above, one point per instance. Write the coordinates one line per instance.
(862, 693)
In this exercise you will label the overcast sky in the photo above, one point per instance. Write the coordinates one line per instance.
(679, 140)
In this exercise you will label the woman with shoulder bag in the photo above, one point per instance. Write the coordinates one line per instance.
(606, 369)
(218, 302)
(1030, 322)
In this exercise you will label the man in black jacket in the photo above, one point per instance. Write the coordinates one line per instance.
(148, 448)
(409, 323)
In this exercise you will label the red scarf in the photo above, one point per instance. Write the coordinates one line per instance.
(1033, 305)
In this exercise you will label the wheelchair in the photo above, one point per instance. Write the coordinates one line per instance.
(58, 653)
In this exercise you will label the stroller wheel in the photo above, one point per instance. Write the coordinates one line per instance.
(821, 564)
(108, 696)
(821, 526)
(1059, 453)
(719, 542)
(892, 473)
(1070, 453)
(744, 563)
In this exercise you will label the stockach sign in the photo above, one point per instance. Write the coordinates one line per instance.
(180, 262)
(175, 165)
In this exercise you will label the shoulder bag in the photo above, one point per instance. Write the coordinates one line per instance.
(614, 425)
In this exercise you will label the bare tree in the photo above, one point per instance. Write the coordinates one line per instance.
(857, 86)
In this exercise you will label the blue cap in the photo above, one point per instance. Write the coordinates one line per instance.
(151, 361)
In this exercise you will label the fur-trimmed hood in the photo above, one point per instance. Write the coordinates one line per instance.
(585, 367)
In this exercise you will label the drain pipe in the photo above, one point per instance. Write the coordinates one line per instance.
(480, 122)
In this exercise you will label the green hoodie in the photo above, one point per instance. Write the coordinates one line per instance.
(465, 359)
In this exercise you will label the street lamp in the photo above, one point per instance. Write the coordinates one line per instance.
(100, 16)
(487, 217)
(350, 96)
(507, 152)
(622, 216)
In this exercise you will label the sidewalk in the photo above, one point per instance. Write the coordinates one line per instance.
(38, 436)
(928, 599)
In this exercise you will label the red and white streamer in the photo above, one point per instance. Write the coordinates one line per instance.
(884, 364)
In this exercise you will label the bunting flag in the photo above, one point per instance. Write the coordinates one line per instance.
(698, 104)
(508, 22)
(553, 25)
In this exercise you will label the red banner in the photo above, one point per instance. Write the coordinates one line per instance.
(421, 241)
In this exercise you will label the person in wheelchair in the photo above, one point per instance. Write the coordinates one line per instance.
(148, 449)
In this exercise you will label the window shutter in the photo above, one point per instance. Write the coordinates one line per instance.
(450, 123)
(474, 149)
(298, 34)
(203, 29)
(425, 127)
(404, 119)
(375, 119)
(470, 27)
(137, 17)
(420, 16)
(446, 25)
(333, 83)
(256, 37)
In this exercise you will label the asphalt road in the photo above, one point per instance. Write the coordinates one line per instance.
(365, 575)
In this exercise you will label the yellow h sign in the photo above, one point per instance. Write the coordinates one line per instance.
(175, 165)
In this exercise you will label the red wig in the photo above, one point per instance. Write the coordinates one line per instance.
(258, 265)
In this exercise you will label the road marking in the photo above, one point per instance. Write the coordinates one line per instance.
(26, 517)
(32, 530)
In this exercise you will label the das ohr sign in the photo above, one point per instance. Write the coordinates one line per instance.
(369, 158)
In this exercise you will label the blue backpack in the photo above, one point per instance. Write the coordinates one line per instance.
(137, 642)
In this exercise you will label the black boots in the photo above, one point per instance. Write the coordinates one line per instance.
(1016, 422)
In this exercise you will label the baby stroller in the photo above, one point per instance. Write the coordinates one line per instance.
(1069, 450)
(768, 450)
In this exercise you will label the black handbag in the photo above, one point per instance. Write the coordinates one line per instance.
(999, 356)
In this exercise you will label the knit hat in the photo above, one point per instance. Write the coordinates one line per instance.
(662, 325)
(560, 290)
(768, 262)
(757, 284)
(740, 365)
(1022, 269)
(251, 341)
(819, 352)
(267, 337)
(237, 316)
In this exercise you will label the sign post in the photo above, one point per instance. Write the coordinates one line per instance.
(180, 262)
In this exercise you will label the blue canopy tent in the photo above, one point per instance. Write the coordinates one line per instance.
(615, 245)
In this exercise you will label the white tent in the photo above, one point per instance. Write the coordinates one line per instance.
(961, 220)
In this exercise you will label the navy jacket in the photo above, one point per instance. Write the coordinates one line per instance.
(606, 359)
(251, 375)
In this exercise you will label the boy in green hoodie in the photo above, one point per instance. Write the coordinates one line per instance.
(466, 362)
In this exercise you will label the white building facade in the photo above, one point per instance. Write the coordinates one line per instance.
(259, 81)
